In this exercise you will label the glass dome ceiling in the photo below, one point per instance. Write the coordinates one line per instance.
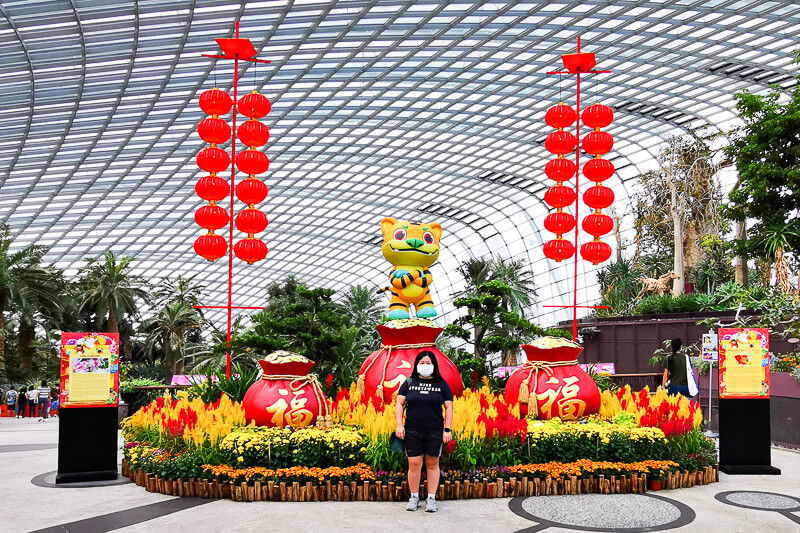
(428, 110)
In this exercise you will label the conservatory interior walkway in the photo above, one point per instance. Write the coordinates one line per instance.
(31, 502)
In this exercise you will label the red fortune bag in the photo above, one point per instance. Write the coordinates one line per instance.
(402, 340)
(550, 383)
(286, 394)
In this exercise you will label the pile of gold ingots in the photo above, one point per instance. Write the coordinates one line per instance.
(409, 322)
(546, 343)
(282, 356)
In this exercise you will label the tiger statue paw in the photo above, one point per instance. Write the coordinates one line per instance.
(412, 248)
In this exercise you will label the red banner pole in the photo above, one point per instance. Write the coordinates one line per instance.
(577, 205)
(233, 191)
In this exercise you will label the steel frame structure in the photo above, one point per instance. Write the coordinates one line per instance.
(428, 110)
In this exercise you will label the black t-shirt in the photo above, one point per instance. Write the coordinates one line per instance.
(676, 368)
(424, 401)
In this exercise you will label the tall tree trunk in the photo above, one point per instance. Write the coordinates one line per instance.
(618, 238)
(742, 275)
(693, 252)
(782, 273)
(26, 336)
(677, 235)
(112, 326)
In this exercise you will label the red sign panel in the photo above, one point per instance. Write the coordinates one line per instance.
(744, 363)
(89, 369)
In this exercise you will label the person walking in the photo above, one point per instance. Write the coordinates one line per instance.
(43, 405)
(426, 428)
(11, 399)
(675, 377)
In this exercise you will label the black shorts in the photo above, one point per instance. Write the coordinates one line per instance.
(423, 442)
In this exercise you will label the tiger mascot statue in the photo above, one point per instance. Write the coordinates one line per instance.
(412, 248)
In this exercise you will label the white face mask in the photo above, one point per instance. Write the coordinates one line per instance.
(424, 370)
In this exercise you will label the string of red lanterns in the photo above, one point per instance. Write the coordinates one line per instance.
(599, 197)
(251, 191)
(213, 188)
(561, 169)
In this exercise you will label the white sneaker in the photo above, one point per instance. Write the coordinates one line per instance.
(413, 503)
(430, 506)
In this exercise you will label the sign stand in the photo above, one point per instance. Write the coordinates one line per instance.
(745, 444)
(89, 413)
(87, 444)
(745, 441)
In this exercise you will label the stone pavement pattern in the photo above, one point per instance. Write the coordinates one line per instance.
(28, 449)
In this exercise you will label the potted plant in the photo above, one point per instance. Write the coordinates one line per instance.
(656, 478)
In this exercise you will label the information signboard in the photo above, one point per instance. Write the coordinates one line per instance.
(744, 363)
(89, 369)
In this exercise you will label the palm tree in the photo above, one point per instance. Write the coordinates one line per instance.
(513, 272)
(110, 290)
(20, 276)
(169, 329)
(43, 305)
(361, 311)
(476, 272)
(774, 242)
(182, 290)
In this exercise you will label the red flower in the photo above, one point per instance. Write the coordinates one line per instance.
(328, 381)
(451, 446)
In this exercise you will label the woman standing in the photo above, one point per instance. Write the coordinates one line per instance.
(422, 396)
(675, 377)
(22, 402)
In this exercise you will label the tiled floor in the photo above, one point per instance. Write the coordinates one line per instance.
(28, 449)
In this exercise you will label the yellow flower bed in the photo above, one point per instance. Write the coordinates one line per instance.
(600, 430)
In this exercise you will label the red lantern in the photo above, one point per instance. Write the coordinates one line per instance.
(597, 116)
(251, 221)
(210, 246)
(598, 224)
(598, 169)
(250, 250)
(560, 169)
(559, 196)
(598, 197)
(560, 142)
(563, 390)
(598, 143)
(211, 217)
(254, 105)
(286, 394)
(213, 159)
(251, 191)
(559, 223)
(252, 162)
(212, 188)
(214, 130)
(558, 249)
(560, 116)
(253, 133)
(384, 371)
(215, 102)
(595, 251)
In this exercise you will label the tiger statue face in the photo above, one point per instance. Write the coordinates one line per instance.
(407, 243)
